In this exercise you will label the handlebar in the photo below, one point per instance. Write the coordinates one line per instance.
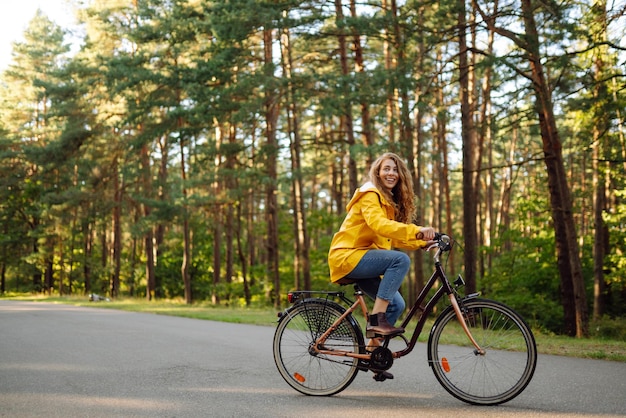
(442, 242)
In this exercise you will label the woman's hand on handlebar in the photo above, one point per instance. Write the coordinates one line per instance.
(430, 245)
(426, 233)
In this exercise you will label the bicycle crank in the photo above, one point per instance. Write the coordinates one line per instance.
(382, 359)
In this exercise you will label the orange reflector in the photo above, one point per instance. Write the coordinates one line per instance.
(299, 377)
(445, 365)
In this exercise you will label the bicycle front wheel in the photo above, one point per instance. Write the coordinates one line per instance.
(492, 378)
(302, 368)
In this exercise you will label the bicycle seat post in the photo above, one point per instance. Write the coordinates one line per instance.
(360, 300)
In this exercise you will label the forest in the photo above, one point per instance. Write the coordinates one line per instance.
(205, 150)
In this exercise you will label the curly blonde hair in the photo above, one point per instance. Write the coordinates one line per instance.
(402, 195)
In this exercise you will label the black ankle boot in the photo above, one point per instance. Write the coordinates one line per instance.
(378, 325)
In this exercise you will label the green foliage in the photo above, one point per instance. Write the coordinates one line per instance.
(526, 278)
(608, 328)
(163, 117)
(616, 221)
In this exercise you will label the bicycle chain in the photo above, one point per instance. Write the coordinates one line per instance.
(381, 359)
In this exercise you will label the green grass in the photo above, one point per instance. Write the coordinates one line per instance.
(602, 349)
(593, 348)
(205, 311)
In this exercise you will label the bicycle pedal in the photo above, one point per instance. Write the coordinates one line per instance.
(382, 376)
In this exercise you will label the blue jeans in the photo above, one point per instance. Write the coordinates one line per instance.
(392, 266)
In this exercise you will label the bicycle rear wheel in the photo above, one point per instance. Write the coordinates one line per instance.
(495, 377)
(302, 368)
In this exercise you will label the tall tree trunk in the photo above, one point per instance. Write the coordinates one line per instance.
(149, 232)
(347, 125)
(620, 125)
(242, 257)
(417, 164)
(61, 265)
(574, 299)
(163, 196)
(87, 253)
(3, 276)
(217, 253)
(410, 141)
(470, 149)
(49, 271)
(600, 125)
(301, 262)
(573, 296)
(134, 258)
(117, 230)
(252, 250)
(3, 264)
(600, 231)
(218, 214)
(231, 186)
(503, 220)
(271, 154)
(445, 182)
(37, 276)
(184, 268)
(477, 147)
(388, 58)
(337, 185)
(359, 69)
(486, 135)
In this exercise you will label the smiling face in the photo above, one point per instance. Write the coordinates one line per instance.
(388, 173)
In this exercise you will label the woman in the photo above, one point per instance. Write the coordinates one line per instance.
(380, 216)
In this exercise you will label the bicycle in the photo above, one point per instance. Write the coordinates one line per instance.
(481, 351)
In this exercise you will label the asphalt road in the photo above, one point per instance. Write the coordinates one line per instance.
(65, 361)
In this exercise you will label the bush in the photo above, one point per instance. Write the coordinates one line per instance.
(608, 328)
(527, 279)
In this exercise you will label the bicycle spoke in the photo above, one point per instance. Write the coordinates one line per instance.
(304, 369)
(495, 377)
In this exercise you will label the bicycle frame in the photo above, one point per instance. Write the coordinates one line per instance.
(324, 365)
(446, 288)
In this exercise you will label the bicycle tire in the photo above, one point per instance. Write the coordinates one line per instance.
(302, 368)
(499, 375)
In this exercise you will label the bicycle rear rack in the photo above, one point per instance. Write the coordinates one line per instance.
(297, 295)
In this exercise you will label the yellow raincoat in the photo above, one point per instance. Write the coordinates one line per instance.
(369, 225)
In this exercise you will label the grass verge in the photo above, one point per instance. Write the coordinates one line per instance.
(603, 349)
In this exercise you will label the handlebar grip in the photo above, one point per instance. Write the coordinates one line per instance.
(438, 236)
